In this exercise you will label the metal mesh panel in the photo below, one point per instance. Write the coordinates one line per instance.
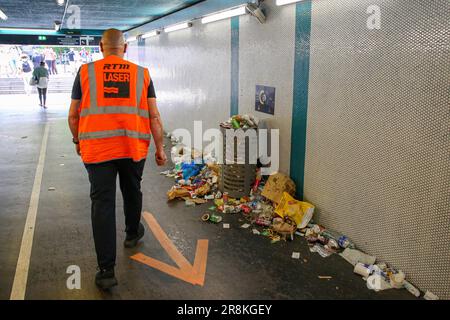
(378, 149)
(238, 173)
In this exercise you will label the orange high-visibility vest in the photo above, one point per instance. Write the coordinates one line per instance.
(114, 112)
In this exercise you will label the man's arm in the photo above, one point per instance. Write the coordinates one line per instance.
(157, 131)
(74, 119)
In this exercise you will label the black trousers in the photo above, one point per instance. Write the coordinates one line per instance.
(103, 196)
(42, 95)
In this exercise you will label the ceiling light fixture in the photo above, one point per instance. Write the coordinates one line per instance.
(283, 2)
(151, 34)
(225, 15)
(27, 30)
(131, 39)
(60, 2)
(3, 16)
(177, 27)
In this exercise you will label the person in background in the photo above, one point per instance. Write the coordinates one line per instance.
(26, 71)
(54, 56)
(64, 60)
(41, 75)
(48, 59)
(13, 59)
(37, 59)
(71, 57)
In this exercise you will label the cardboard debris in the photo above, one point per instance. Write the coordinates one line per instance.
(203, 190)
(177, 193)
(276, 185)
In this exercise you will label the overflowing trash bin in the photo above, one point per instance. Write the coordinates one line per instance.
(237, 173)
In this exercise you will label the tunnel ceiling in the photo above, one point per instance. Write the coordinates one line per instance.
(94, 15)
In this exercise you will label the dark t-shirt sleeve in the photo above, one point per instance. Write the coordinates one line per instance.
(151, 90)
(76, 90)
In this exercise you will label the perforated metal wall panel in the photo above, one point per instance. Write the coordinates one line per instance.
(267, 58)
(378, 143)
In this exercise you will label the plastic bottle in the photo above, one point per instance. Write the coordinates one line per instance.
(413, 290)
(235, 124)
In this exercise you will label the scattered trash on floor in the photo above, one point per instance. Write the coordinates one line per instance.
(295, 255)
(212, 218)
(354, 257)
(271, 211)
(430, 296)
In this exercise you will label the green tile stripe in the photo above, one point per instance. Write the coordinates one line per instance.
(301, 87)
(234, 105)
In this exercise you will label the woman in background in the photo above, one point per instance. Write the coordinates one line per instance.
(26, 72)
(41, 76)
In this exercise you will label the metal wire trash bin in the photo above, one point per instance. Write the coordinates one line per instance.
(238, 171)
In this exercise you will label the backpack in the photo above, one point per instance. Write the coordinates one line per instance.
(26, 67)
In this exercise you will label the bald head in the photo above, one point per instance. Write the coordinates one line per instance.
(113, 42)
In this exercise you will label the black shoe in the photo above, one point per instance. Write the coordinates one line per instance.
(131, 240)
(105, 279)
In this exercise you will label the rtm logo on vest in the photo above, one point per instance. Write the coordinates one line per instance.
(116, 84)
(116, 66)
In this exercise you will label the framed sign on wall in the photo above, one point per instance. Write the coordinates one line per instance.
(265, 99)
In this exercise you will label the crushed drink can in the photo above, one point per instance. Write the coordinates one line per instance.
(215, 218)
(225, 197)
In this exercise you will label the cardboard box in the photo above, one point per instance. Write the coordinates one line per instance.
(276, 185)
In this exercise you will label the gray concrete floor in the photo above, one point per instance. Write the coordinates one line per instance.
(240, 264)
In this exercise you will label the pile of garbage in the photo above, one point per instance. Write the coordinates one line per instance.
(272, 211)
(378, 275)
(241, 122)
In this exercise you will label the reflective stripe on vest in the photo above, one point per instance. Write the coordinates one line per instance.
(114, 134)
(94, 109)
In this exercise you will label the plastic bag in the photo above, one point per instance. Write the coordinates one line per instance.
(298, 211)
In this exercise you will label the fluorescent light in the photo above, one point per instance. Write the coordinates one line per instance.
(177, 27)
(27, 30)
(150, 34)
(225, 15)
(3, 16)
(283, 2)
(131, 39)
(60, 2)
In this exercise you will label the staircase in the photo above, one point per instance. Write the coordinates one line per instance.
(57, 84)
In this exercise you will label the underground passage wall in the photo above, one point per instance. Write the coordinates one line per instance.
(374, 105)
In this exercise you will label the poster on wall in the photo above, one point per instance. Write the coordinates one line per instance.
(265, 99)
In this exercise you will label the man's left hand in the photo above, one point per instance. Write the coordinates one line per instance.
(160, 157)
(77, 148)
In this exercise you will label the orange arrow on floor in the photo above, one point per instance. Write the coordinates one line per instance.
(194, 274)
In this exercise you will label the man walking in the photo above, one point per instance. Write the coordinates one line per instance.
(112, 117)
